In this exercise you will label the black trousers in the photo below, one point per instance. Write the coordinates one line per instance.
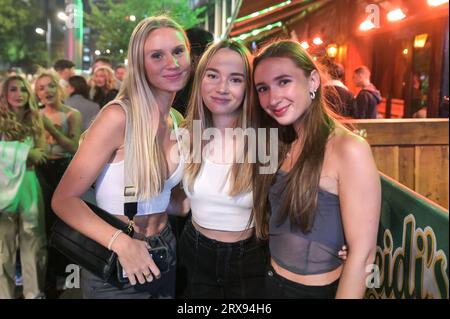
(278, 287)
(213, 269)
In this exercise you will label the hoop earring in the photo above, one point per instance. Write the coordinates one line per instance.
(312, 94)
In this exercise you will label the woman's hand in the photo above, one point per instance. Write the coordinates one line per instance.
(37, 156)
(343, 253)
(135, 259)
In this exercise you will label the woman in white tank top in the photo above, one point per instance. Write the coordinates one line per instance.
(218, 253)
(159, 65)
(62, 131)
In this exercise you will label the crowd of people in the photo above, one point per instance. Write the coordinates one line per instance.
(298, 231)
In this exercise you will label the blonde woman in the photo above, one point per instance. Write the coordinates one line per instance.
(136, 128)
(104, 85)
(20, 121)
(219, 254)
(62, 130)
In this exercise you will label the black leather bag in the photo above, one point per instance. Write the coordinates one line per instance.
(84, 251)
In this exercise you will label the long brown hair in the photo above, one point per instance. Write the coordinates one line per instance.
(12, 128)
(241, 171)
(302, 184)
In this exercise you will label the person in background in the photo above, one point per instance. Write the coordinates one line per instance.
(368, 98)
(327, 188)
(65, 69)
(102, 61)
(120, 71)
(23, 223)
(62, 131)
(104, 86)
(338, 96)
(78, 90)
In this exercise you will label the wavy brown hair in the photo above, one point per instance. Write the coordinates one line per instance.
(300, 194)
(241, 171)
(12, 128)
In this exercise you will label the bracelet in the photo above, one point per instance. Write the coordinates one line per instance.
(113, 238)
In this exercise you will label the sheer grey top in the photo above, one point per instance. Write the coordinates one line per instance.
(306, 254)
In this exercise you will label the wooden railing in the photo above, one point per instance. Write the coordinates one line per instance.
(412, 151)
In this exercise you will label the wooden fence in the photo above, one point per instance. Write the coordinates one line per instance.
(412, 151)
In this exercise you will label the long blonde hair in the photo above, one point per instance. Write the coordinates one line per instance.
(144, 158)
(241, 173)
(42, 73)
(12, 128)
(302, 186)
(110, 79)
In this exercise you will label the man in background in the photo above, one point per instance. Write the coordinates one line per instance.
(368, 97)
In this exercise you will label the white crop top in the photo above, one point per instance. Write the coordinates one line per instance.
(211, 205)
(109, 187)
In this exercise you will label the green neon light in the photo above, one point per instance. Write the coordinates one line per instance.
(255, 32)
(264, 11)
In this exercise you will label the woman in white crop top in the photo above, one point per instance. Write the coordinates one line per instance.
(218, 252)
(159, 65)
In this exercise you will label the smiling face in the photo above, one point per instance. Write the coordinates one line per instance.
(47, 90)
(284, 89)
(166, 60)
(223, 85)
(17, 95)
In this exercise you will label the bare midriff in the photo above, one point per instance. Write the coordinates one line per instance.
(224, 236)
(147, 225)
(308, 280)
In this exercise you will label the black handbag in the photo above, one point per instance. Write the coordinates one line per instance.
(91, 255)
(86, 252)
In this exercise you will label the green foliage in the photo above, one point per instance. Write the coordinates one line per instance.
(112, 27)
(19, 44)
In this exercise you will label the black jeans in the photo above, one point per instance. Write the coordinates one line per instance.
(214, 269)
(278, 287)
(162, 288)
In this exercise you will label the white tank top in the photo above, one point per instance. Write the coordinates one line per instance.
(109, 187)
(211, 205)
